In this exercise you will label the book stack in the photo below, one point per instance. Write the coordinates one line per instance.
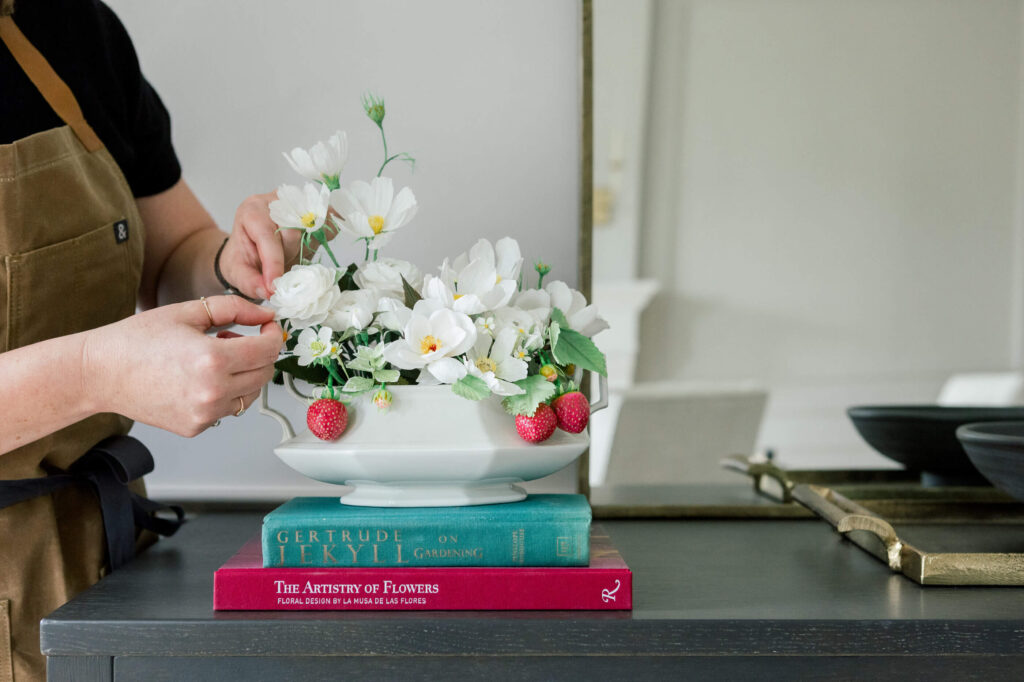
(317, 554)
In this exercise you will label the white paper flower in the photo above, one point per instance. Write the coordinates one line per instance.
(323, 162)
(432, 338)
(470, 287)
(557, 294)
(504, 256)
(305, 295)
(353, 310)
(315, 345)
(492, 361)
(392, 314)
(372, 211)
(385, 276)
(528, 327)
(303, 208)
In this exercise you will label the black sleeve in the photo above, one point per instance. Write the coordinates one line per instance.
(150, 165)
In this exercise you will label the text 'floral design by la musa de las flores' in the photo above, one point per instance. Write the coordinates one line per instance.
(480, 322)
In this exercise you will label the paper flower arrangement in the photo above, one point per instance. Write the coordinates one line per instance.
(476, 325)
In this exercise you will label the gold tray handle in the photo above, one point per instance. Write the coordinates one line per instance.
(847, 516)
(757, 468)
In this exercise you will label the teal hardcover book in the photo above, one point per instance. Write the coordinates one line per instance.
(542, 530)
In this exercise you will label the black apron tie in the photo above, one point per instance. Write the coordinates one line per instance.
(110, 466)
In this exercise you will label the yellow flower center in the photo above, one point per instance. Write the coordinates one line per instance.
(486, 365)
(376, 223)
(318, 347)
(429, 344)
(308, 219)
(456, 296)
(497, 279)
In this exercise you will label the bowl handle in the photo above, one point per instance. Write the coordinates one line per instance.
(602, 395)
(289, 384)
(266, 409)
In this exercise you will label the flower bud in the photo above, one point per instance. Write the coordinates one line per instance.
(382, 399)
(549, 372)
(374, 107)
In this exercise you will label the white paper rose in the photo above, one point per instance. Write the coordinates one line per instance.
(385, 276)
(353, 310)
(305, 295)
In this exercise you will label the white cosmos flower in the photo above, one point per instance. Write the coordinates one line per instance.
(385, 276)
(323, 162)
(557, 294)
(303, 208)
(504, 257)
(431, 339)
(315, 345)
(354, 309)
(372, 211)
(492, 361)
(470, 287)
(305, 295)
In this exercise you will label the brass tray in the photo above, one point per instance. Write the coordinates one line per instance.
(872, 533)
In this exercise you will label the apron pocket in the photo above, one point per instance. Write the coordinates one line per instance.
(6, 659)
(71, 286)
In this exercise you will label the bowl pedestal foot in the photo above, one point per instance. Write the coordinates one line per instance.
(433, 494)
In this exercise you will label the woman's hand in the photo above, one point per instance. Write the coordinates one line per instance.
(160, 368)
(256, 252)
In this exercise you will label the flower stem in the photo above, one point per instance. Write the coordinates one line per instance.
(384, 138)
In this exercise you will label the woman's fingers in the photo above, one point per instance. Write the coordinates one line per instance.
(245, 353)
(224, 311)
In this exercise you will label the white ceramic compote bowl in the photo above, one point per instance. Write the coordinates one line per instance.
(432, 448)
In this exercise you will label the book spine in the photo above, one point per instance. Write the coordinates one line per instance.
(316, 543)
(450, 589)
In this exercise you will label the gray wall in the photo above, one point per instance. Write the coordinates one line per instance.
(483, 92)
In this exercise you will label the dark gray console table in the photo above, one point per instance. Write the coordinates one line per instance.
(713, 600)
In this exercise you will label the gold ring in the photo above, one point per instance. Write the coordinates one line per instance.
(206, 307)
(241, 407)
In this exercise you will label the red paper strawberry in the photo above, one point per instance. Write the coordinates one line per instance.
(539, 427)
(573, 411)
(327, 419)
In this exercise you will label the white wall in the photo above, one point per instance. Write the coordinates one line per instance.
(833, 204)
(485, 93)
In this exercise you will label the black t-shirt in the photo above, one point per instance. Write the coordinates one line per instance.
(90, 50)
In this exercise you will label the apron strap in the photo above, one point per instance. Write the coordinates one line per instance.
(109, 466)
(54, 90)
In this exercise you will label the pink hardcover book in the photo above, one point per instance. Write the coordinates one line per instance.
(242, 584)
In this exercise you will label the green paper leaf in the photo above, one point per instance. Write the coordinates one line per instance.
(558, 317)
(386, 376)
(347, 281)
(313, 374)
(358, 385)
(553, 331)
(537, 390)
(359, 364)
(410, 294)
(576, 349)
(471, 387)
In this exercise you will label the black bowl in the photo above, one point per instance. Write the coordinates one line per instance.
(997, 450)
(923, 437)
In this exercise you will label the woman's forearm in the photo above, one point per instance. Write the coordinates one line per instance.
(43, 390)
(188, 271)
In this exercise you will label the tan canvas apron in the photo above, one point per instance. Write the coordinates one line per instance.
(71, 252)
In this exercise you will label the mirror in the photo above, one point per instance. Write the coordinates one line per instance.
(814, 205)
(486, 95)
